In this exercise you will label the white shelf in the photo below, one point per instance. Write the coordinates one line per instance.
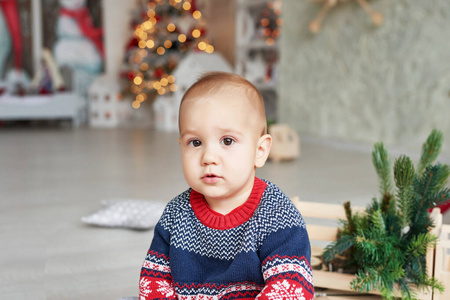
(42, 107)
(246, 42)
(254, 57)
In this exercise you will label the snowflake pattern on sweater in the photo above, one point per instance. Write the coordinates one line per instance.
(259, 251)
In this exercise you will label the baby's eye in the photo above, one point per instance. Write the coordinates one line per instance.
(195, 143)
(227, 141)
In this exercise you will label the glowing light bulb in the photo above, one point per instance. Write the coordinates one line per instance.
(160, 50)
(135, 104)
(147, 25)
(202, 46)
(140, 98)
(167, 44)
(209, 49)
(138, 32)
(171, 27)
(137, 80)
(161, 91)
(156, 85)
(186, 6)
(196, 33)
(141, 44)
(270, 41)
(173, 87)
(143, 36)
(150, 44)
(197, 14)
(164, 81)
(182, 38)
(171, 78)
(144, 67)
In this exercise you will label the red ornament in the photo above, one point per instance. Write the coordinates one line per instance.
(159, 72)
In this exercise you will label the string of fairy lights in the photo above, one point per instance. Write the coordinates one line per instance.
(271, 21)
(162, 35)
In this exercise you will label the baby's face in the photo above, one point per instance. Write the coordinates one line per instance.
(218, 140)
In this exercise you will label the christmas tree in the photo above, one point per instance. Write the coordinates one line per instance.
(386, 246)
(164, 32)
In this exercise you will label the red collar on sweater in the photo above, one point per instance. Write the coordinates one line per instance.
(236, 217)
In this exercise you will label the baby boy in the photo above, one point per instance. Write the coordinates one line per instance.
(231, 235)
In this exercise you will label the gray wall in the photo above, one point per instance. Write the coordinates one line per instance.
(357, 82)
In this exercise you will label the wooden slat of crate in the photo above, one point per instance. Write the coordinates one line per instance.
(442, 265)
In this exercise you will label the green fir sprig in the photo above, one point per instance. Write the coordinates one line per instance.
(387, 244)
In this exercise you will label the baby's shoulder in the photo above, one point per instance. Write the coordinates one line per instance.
(274, 197)
(276, 208)
(176, 207)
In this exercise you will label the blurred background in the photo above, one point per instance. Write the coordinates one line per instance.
(89, 95)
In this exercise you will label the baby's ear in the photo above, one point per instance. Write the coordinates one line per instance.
(262, 150)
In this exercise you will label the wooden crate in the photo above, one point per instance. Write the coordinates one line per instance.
(442, 262)
(339, 281)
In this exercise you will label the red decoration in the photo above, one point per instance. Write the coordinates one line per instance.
(84, 21)
(11, 12)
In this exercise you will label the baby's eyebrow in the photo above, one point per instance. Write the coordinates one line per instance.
(229, 130)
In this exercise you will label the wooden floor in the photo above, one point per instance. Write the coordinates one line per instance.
(51, 177)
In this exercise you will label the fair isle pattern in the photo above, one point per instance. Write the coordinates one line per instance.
(157, 258)
(283, 290)
(275, 212)
(156, 265)
(278, 265)
(216, 292)
(162, 287)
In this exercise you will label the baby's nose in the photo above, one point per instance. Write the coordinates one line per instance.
(209, 156)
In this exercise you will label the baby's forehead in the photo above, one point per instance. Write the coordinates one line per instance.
(224, 95)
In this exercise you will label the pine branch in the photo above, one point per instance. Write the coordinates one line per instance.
(434, 284)
(382, 163)
(442, 175)
(365, 281)
(337, 247)
(430, 150)
(419, 244)
(425, 186)
(378, 222)
(350, 222)
(404, 289)
(404, 174)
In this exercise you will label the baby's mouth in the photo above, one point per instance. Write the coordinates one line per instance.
(210, 178)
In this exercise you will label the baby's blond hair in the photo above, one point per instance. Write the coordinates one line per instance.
(216, 82)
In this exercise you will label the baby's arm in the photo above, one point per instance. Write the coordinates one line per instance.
(286, 266)
(156, 278)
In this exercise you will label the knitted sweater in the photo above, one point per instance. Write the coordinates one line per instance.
(259, 250)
